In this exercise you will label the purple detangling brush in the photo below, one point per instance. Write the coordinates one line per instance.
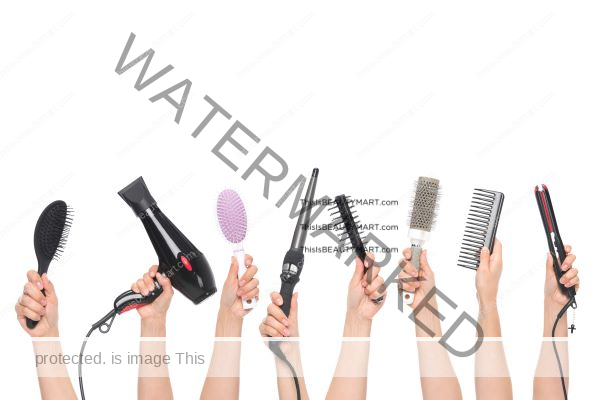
(233, 222)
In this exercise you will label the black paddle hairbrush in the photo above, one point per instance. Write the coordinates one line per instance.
(50, 237)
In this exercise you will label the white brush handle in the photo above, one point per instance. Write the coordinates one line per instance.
(239, 253)
(409, 297)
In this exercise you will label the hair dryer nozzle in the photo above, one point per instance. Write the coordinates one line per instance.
(137, 196)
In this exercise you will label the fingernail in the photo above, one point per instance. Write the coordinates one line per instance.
(239, 292)
(286, 322)
(414, 273)
(44, 302)
(150, 288)
(562, 280)
(242, 282)
(286, 332)
(564, 267)
(43, 311)
(364, 284)
(40, 284)
(279, 302)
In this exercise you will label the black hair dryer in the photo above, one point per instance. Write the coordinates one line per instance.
(179, 259)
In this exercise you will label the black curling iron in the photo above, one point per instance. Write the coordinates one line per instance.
(558, 253)
(293, 262)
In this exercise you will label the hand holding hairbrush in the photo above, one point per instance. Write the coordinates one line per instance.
(50, 237)
(421, 221)
(346, 219)
(233, 222)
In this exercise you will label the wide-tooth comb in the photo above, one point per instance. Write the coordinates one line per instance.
(482, 223)
(345, 218)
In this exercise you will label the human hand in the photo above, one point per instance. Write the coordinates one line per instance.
(488, 274)
(37, 307)
(362, 293)
(425, 278)
(552, 292)
(159, 307)
(276, 324)
(235, 290)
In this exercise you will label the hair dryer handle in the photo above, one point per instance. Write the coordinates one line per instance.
(31, 324)
(130, 300)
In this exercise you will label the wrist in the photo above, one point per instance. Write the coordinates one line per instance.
(228, 323)
(155, 326)
(52, 333)
(356, 325)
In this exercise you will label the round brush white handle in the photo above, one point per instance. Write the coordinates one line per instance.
(415, 259)
(239, 253)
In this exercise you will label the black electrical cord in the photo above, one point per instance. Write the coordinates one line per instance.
(103, 326)
(560, 369)
(276, 349)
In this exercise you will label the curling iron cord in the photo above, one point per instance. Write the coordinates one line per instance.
(103, 325)
(275, 347)
(560, 369)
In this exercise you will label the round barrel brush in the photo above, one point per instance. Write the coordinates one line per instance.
(234, 223)
(50, 237)
(421, 220)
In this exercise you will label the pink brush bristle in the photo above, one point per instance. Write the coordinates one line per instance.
(232, 216)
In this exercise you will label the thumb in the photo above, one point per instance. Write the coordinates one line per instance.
(424, 261)
(484, 258)
(164, 282)
(233, 268)
(359, 269)
(549, 264)
(294, 309)
(48, 287)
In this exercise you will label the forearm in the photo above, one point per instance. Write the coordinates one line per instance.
(223, 378)
(492, 378)
(153, 381)
(350, 380)
(547, 383)
(438, 379)
(53, 379)
(285, 382)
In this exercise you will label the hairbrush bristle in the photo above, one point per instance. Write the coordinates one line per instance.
(232, 216)
(51, 233)
(425, 204)
(347, 220)
(482, 223)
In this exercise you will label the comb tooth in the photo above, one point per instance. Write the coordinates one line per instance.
(472, 222)
(482, 218)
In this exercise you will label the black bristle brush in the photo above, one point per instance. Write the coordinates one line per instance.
(346, 219)
(50, 237)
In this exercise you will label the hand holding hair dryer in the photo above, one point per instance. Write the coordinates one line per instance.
(179, 259)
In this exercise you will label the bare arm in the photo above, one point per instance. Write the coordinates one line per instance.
(223, 379)
(154, 381)
(350, 379)
(547, 383)
(438, 379)
(492, 378)
(53, 379)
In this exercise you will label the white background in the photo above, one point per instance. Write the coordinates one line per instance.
(426, 105)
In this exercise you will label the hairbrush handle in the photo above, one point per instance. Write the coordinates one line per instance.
(290, 276)
(415, 259)
(240, 255)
